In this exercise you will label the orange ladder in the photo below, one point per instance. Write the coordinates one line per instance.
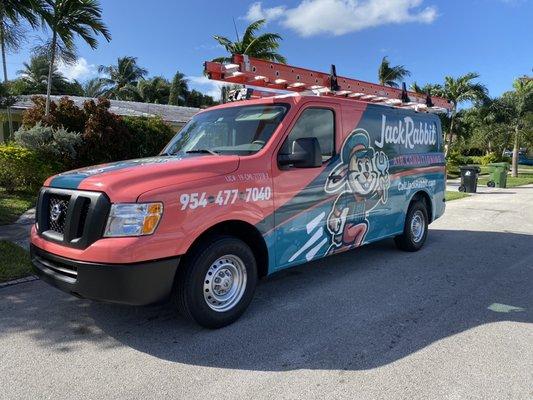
(260, 73)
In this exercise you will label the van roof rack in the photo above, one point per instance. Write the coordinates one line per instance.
(251, 71)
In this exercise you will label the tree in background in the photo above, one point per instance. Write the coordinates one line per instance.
(430, 88)
(94, 87)
(34, 79)
(68, 19)
(154, 90)
(457, 91)
(520, 101)
(199, 100)
(121, 79)
(179, 90)
(488, 129)
(264, 46)
(391, 75)
(12, 15)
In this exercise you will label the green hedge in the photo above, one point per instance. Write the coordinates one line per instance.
(455, 158)
(48, 145)
(149, 135)
(22, 169)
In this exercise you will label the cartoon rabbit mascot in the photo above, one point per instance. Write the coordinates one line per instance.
(362, 179)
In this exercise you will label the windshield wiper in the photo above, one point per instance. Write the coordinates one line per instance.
(204, 151)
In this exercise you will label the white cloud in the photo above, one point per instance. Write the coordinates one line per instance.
(338, 17)
(80, 70)
(256, 12)
(206, 85)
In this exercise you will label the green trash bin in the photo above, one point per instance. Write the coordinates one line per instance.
(498, 174)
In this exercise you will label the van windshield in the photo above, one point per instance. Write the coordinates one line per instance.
(238, 130)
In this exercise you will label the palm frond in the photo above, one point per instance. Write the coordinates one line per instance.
(264, 46)
(250, 31)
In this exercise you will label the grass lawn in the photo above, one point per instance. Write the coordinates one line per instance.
(455, 195)
(522, 179)
(14, 262)
(12, 205)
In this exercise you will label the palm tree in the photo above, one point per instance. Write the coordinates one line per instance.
(154, 90)
(36, 76)
(433, 89)
(521, 102)
(12, 14)
(94, 88)
(121, 80)
(458, 90)
(391, 76)
(264, 46)
(68, 19)
(178, 90)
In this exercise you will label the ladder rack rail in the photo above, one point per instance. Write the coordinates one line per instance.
(260, 73)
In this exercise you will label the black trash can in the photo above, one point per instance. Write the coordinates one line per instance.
(469, 175)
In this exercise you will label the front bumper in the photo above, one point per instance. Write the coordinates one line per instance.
(134, 284)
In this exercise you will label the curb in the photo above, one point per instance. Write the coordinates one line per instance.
(30, 278)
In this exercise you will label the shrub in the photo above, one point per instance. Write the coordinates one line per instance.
(149, 135)
(456, 158)
(63, 114)
(22, 168)
(490, 158)
(54, 144)
(105, 137)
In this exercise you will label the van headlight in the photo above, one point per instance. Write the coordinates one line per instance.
(133, 219)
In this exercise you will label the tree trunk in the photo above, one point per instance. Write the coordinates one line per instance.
(448, 143)
(50, 71)
(4, 64)
(516, 149)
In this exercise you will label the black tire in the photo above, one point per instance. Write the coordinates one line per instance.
(462, 188)
(191, 281)
(409, 240)
(491, 184)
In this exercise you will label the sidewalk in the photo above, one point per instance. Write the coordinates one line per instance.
(19, 232)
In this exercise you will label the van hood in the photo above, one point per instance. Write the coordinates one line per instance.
(126, 180)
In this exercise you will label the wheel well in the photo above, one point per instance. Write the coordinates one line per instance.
(245, 232)
(423, 196)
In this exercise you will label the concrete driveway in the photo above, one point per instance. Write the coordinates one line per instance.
(453, 321)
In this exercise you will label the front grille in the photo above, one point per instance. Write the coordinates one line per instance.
(83, 216)
(75, 218)
(57, 212)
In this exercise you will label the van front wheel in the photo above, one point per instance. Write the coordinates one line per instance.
(216, 283)
(415, 230)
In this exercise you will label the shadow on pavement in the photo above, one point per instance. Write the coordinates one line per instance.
(358, 310)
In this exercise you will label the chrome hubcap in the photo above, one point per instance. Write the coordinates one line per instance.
(225, 283)
(417, 226)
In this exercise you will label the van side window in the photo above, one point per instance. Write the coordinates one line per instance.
(314, 122)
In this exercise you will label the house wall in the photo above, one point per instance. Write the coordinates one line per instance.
(4, 124)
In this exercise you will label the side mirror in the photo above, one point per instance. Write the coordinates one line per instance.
(305, 153)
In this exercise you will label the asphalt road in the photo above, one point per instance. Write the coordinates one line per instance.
(453, 321)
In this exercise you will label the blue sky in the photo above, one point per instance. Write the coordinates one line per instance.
(432, 38)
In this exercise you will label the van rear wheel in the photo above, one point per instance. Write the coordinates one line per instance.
(217, 281)
(415, 230)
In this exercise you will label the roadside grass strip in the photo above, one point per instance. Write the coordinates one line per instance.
(14, 263)
(450, 196)
(524, 178)
(13, 205)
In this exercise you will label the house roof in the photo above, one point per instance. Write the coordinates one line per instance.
(173, 114)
